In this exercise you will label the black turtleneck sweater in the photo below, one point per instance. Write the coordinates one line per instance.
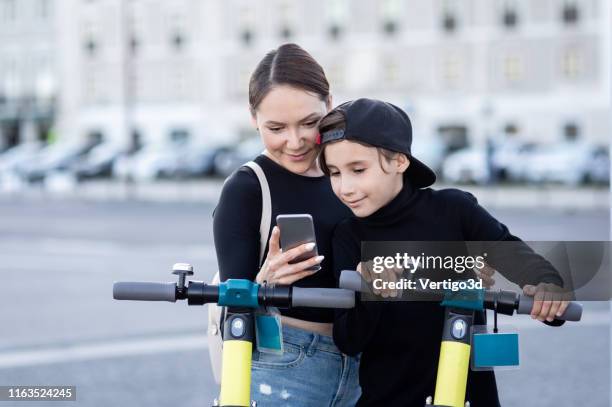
(400, 341)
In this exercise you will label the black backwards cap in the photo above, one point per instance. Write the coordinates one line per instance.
(381, 124)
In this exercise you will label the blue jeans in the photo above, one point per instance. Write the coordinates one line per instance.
(311, 372)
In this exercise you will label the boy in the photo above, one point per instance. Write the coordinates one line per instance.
(365, 149)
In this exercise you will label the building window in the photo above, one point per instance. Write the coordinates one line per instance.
(391, 11)
(9, 10)
(178, 41)
(285, 17)
(337, 15)
(451, 68)
(513, 68)
(42, 9)
(337, 75)
(285, 32)
(134, 44)
(571, 63)
(570, 14)
(571, 131)
(511, 129)
(179, 136)
(390, 27)
(247, 20)
(510, 18)
(449, 23)
(334, 31)
(246, 36)
(91, 47)
(391, 72)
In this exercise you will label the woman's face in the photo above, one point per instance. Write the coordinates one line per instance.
(360, 179)
(287, 119)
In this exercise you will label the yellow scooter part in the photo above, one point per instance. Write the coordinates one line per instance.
(453, 368)
(236, 373)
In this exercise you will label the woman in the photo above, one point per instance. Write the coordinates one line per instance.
(288, 95)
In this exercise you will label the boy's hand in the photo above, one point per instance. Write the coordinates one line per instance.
(387, 275)
(486, 275)
(549, 301)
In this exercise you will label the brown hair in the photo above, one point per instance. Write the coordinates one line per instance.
(289, 64)
(335, 120)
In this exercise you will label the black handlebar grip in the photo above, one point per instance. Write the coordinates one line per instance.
(573, 312)
(144, 291)
(322, 297)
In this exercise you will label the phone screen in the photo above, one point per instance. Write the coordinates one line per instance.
(296, 230)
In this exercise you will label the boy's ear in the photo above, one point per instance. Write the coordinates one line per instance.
(254, 120)
(329, 102)
(402, 163)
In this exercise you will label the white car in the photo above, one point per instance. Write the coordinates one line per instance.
(151, 162)
(599, 168)
(13, 157)
(508, 159)
(228, 161)
(468, 165)
(567, 163)
(54, 157)
(429, 150)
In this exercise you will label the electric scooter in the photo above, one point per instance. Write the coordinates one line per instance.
(242, 298)
(458, 341)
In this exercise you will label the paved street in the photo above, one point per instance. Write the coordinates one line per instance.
(59, 324)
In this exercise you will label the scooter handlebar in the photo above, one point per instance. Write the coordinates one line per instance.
(351, 280)
(322, 297)
(573, 312)
(144, 291)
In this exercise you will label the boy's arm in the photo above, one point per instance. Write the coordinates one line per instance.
(353, 328)
(519, 263)
(516, 260)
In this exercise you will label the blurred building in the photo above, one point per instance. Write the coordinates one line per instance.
(155, 71)
(28, 78)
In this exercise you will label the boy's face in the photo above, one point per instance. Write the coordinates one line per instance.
(358, 179)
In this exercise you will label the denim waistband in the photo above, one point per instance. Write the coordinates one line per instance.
(310, 341)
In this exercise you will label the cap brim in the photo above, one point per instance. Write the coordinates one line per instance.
(420, 175)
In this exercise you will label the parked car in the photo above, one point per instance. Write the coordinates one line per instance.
(13, 157)
(200, 160)
(226, 162)
(508, 160)
(431, 151)
(599, 168)
(153, 161)
(468, 165)
(55, 157)
(99, 162)
(567, 163)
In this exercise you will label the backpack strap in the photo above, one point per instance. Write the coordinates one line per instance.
(266, 208)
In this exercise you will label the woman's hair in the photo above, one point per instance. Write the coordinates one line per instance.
(288, 65)
(335, 120)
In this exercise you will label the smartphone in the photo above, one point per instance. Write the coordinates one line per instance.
(296, 230)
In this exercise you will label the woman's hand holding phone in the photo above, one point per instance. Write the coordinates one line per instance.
(276, 268)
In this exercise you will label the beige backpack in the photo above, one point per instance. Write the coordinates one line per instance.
(215, 313)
